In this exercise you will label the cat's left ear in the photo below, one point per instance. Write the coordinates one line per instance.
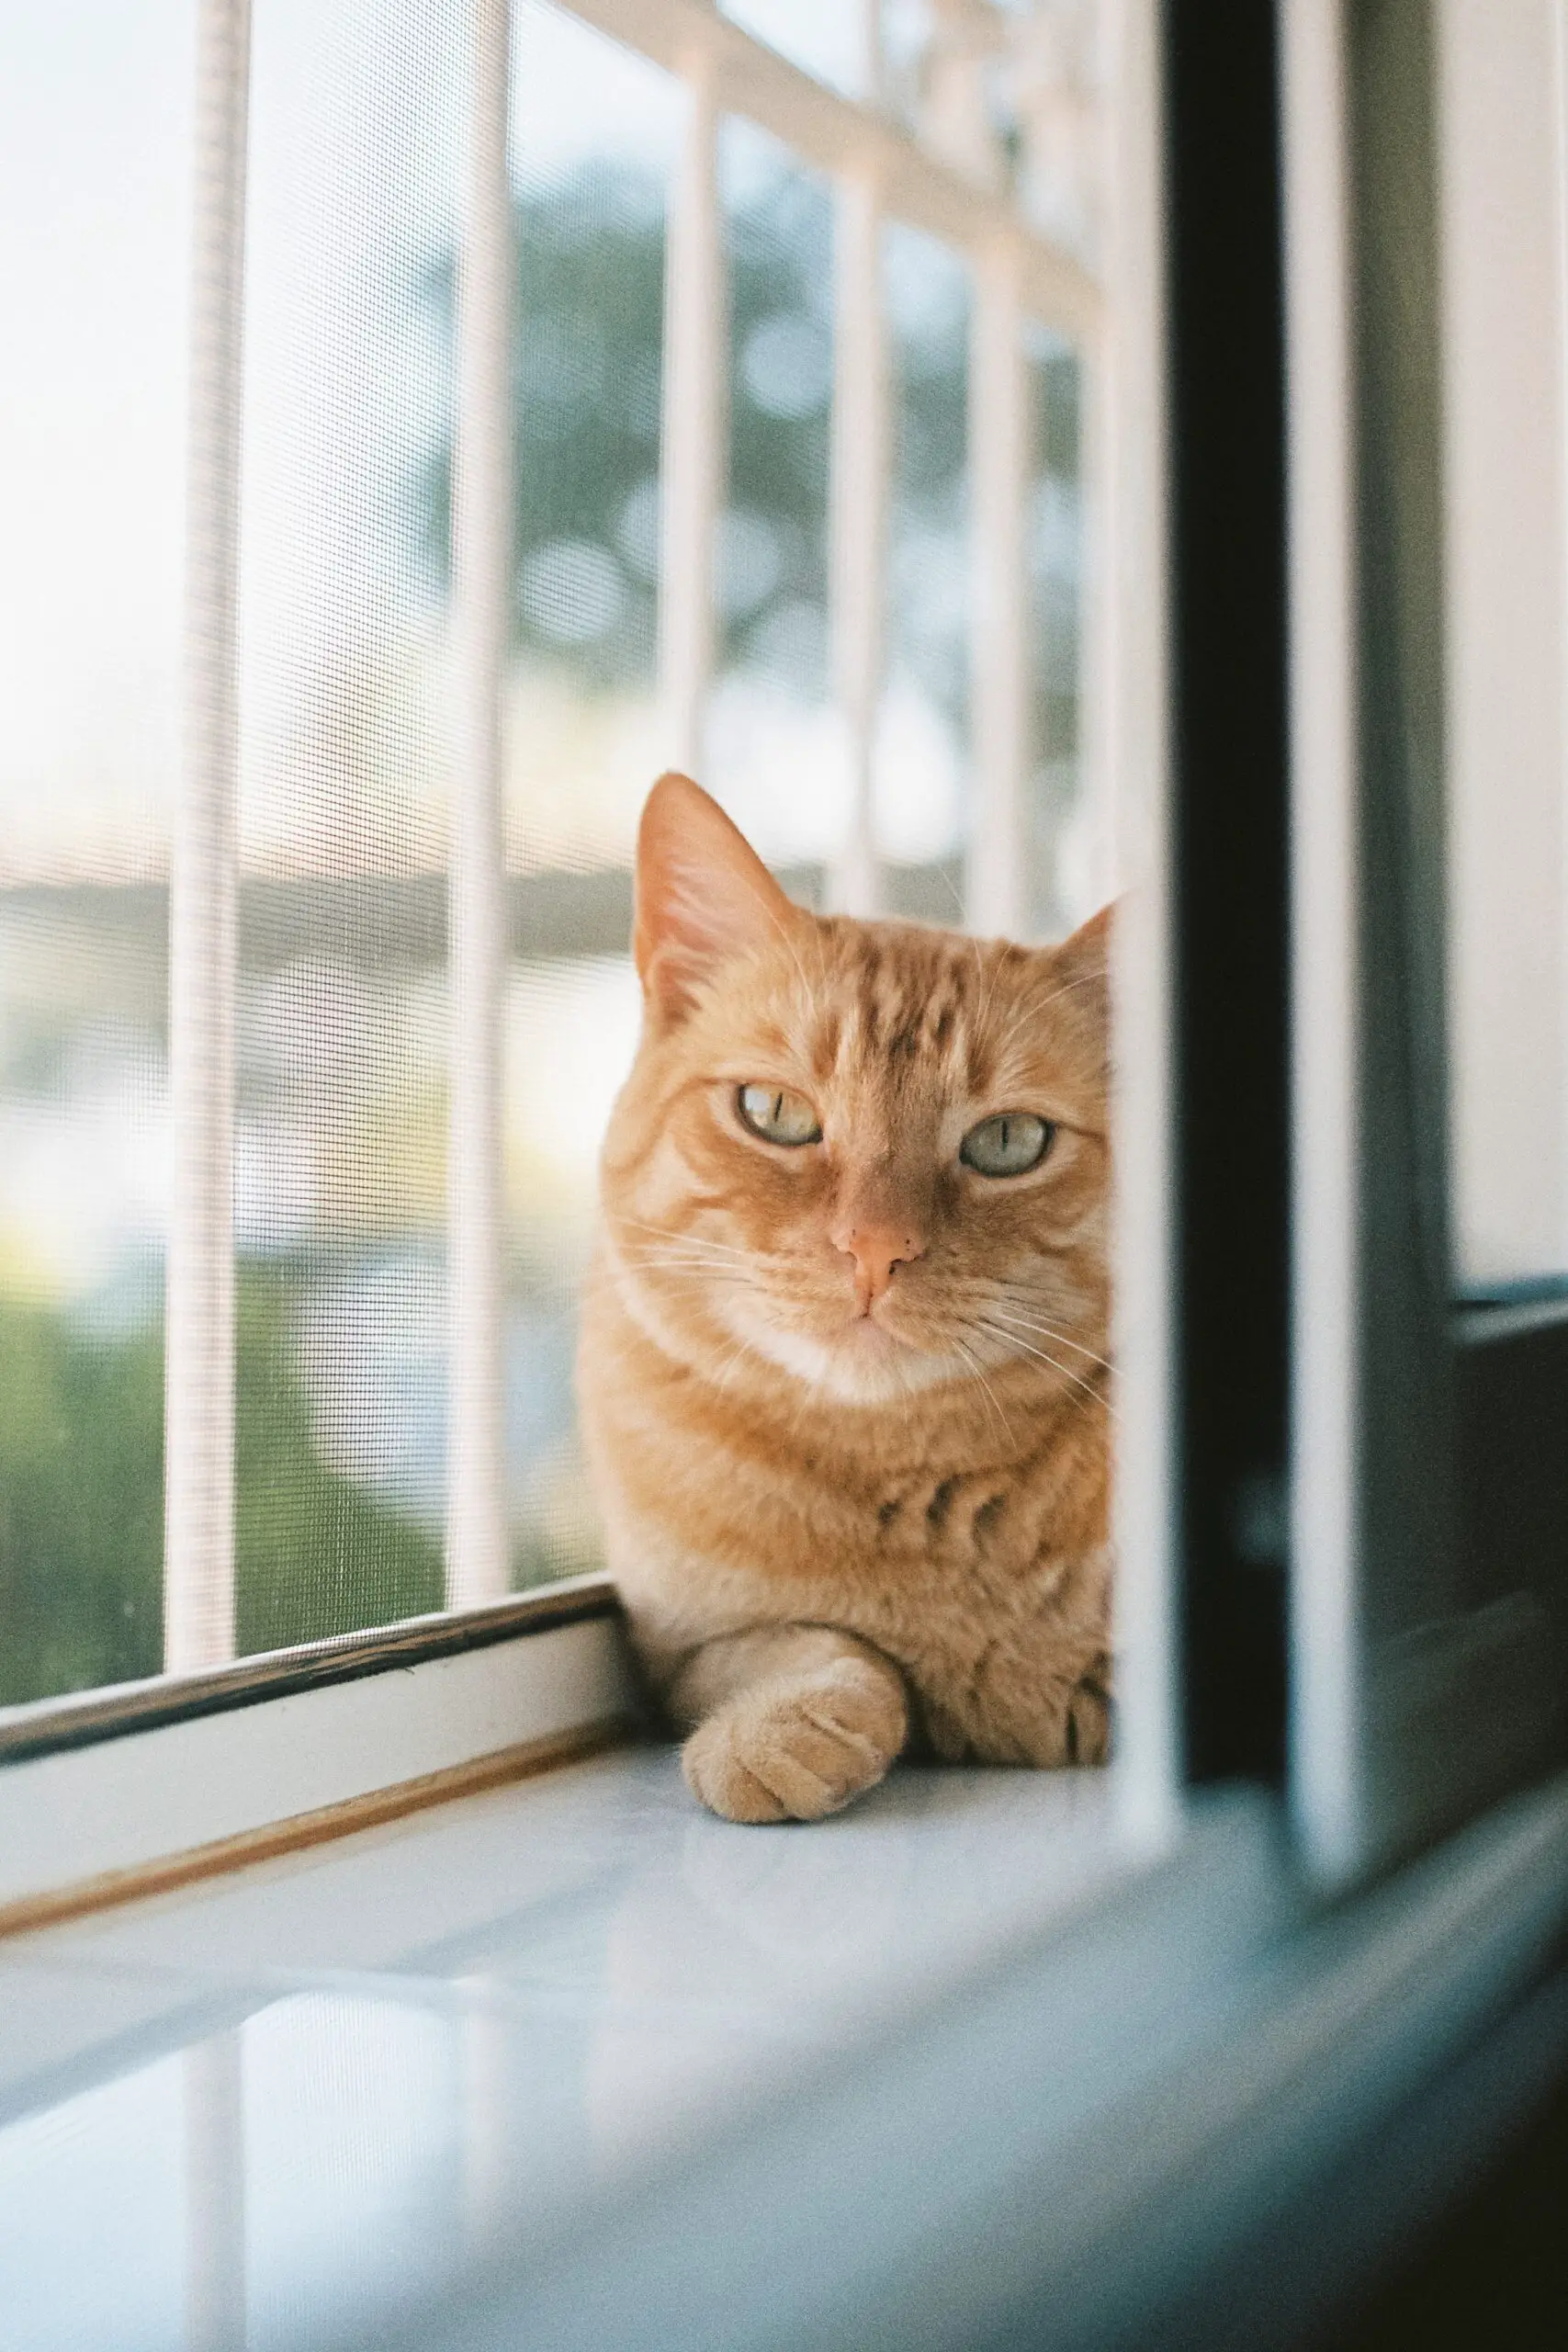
(703, 894)
(1082, 966)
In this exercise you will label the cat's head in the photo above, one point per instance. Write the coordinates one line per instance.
(870, 1155)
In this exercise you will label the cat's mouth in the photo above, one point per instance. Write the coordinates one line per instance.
(860, 1359)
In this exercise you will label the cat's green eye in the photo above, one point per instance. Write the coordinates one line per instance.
(777, 1115)
(1010, 1145)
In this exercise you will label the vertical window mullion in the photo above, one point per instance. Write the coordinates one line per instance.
(1098, 529)
(1231, 875)
(858, 498)
(1326, 1660)
(1000, 474)
(1128, 549)
(198, 1450)
(694, 403)
(477, 1559)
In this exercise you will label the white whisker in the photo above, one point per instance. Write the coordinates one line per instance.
(1049, 1331)
(1023, 1347)
(686, 1240)
(992, 1399)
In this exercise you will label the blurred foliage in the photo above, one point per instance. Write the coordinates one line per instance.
(587, 342)
(315, 1553)
(81, 1413)
(81, 1504)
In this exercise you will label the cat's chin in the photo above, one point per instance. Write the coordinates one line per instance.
(861, 1364)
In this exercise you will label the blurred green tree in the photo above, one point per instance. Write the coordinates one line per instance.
(586, 372)
(81, 1506)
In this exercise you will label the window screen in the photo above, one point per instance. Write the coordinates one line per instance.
(920, 774)
(594, 133)
(1064, 867)
(773, 749)
(341, 1063)
(94, 132)
(351, 133)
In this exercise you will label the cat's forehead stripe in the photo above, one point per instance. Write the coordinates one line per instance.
(885, 999)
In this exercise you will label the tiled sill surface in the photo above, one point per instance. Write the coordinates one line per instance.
(279, 2106)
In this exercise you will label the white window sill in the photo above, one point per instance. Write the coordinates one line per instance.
(490, 2074)
(496, 2007)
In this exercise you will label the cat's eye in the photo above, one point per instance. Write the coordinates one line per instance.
(1010, 1145)
(777, 1115)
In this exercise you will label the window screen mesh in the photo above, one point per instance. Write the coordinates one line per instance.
(774, 751)
(94, 141)
(594, 133)
(354, 154)
(1063, 859)
(357, 141)
(920, 772)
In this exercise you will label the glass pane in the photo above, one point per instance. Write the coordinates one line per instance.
(1447, 1684)
(594, 133)
(826, 38)
(1506, 526)
(920, 769)
(774, 751)
(94, 131)
(340, 1137)
(1063, 850)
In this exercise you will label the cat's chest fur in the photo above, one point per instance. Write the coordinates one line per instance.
(975, 1555)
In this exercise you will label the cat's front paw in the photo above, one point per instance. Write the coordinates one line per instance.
(795, 1750)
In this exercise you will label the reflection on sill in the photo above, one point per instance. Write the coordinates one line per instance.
(393, 2048)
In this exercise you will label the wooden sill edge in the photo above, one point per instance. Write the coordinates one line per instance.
(300, 1830)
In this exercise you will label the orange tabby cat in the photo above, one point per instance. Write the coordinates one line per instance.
(843, 1365)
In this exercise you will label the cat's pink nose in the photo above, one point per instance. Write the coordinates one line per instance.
(876, 1249)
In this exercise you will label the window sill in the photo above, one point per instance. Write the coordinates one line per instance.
(489, 2074)
(122, 1791)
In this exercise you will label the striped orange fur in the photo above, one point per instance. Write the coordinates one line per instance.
(846, 1398)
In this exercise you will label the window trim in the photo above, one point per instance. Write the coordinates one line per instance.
(1413, 1703)
(115, 1711)
(119, 1793)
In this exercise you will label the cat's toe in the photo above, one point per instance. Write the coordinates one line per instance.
(801, 1750)
(1086, 1731)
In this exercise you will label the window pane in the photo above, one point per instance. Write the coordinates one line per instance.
(95, 179)
(1063, 864)
(358, 128)
(340, 1134)
(920, 769)
(1506, 430)
(826, 38)
(594, 134)
(774, 755)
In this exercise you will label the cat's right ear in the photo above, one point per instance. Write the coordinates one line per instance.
(703, 894)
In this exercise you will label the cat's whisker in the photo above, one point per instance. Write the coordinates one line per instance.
(691, 1270)
(687, 1268)
(1024, 1347)
(990, 993)
(644, 1256)
(686, 1240)
(1029, 1012)
(708, 1257)
(1049, 1331)
(726, 1370)
(973, 1361)
(776, 920)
